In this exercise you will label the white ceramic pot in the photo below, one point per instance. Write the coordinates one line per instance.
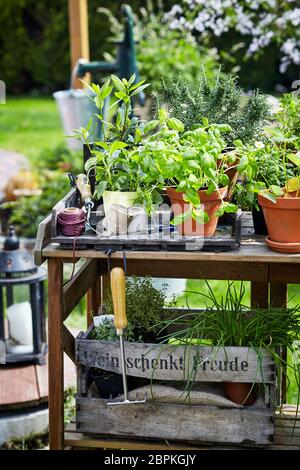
(123, 198)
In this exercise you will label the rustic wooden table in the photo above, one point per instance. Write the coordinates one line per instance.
(268, 272)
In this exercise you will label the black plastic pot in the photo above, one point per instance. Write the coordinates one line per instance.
(110, 385)
(259, 222)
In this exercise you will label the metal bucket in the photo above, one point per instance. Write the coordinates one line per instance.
(76, 109)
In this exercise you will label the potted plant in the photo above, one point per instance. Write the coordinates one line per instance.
(261, 168)
(283, 203)
(273, 173)
(189, 163)
(227, 322)
(119, 179)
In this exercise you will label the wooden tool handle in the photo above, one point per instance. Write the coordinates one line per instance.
(83, 185)
(117, 283)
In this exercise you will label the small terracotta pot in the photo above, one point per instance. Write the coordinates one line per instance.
(239, 392)
(210, 204)
(282, 218)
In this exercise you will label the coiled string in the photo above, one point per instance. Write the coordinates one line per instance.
(72, 221)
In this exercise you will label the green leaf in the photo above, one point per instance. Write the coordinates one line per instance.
(117, 145)
(175, 124)
(136, 85)
(90, 163)
(224, 180)
(294, 158)
(226, 207)
(131, 80)
(207, 161)
(192, 197)
(121, 95)
(276, 190)
(139, 89)
(200, 216)
(179, 219)
(223, 128)
(105, 93)
(244, 162)
(269, 196)
(151, 125)
(162, 114)
(101, 187)
(118, 84)
(182, 186)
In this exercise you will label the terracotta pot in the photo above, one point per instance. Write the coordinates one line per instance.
(239, 393)
(282, 218)
(210, 203)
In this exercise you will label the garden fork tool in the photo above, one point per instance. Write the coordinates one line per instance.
(117, 280)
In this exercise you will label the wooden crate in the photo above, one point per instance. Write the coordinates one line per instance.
(247, 426)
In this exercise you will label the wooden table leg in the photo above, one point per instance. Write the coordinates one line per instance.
(278, 298)
(259, 294)
(56, 363)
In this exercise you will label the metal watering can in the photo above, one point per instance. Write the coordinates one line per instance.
(75, 106)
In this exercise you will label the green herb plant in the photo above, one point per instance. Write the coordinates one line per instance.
(272, 166)
(145, 307)
(221, 101)
(189, 160)
(112, 159)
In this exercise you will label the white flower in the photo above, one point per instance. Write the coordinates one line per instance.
(259, 145)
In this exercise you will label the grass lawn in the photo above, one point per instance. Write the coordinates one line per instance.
(29, 125)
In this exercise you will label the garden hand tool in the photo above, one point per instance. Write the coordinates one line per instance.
(117, 280)
(83, 185)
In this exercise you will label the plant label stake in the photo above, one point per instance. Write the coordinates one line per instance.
(117, 280)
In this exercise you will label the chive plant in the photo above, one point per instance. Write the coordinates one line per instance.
(228, 322)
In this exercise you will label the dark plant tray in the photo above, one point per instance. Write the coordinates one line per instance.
(227, 236)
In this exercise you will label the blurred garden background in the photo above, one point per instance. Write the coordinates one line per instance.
(255, 39)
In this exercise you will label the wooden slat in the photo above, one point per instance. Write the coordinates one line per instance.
(256, 252)
(55, 344)
(278, 298)
(69, 343)
(79, 285)
(43, 238)
(288, 272)
(176, 422)
(170, 363)
(193, 270)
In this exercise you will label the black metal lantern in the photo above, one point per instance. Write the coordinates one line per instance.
(21, 304)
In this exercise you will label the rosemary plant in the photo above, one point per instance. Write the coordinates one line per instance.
(221, 101)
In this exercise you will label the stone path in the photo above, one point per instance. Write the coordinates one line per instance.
(10, 164)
